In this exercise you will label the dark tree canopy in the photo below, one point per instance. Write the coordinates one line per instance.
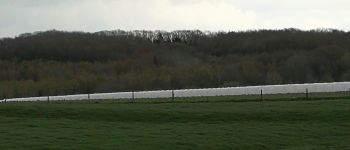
(58, 62)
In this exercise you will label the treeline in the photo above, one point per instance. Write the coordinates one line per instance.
(58, 62)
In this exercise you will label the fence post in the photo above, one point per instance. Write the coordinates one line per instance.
(133, 97)
(261, 95)
(48, 99)
(172, 96)
(89, 97)
(307, 94)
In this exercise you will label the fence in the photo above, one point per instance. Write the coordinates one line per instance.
(209, 92)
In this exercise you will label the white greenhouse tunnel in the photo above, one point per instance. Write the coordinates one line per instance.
(247, 90)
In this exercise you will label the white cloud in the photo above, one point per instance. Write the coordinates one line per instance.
(93, 15)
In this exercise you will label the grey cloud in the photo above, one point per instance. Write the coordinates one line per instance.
(93, 15)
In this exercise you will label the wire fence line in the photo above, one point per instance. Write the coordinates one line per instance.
(208, 92)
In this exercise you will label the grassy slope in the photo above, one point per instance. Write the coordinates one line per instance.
(321, 124)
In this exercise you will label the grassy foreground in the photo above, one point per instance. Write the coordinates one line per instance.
(321, 124)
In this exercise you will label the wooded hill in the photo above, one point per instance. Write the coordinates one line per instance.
(58, 62)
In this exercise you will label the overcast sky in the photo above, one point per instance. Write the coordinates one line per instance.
(20, 16)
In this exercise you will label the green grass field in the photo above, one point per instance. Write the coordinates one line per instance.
(316, 124)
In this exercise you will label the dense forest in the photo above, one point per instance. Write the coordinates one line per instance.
(58, 62)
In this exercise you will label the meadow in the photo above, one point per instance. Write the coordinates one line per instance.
(275, 124)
